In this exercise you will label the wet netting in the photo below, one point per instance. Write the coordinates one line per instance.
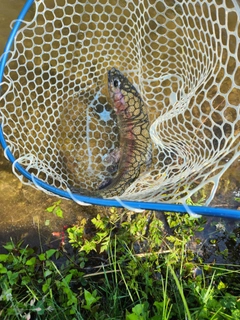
(59, 125)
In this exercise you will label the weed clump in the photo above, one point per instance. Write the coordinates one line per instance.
(119, 267)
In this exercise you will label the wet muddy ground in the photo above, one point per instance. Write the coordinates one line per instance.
(23, 212)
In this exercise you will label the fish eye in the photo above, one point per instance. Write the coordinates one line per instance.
(116, 83)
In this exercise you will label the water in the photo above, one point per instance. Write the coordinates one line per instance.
(23, 214)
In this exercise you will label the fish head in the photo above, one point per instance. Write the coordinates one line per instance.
(120, 90)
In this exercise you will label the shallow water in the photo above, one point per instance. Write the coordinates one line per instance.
(23, 209)
(23, 212)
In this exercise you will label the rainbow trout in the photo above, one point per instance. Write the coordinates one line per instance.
(135, 142)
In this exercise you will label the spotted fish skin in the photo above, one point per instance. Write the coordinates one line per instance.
(135, 141)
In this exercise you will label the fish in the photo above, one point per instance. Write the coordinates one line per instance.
(135, 149)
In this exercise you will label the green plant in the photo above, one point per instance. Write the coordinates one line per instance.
(56, 209)
(121, 267)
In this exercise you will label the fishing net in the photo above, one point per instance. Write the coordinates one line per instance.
(183, 58)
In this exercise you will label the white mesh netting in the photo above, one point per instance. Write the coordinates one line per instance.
(183, 56)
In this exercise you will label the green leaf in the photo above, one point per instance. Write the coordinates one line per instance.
(39, 308)
(46, 285)
(50, 253)
(132, 316)
(25, 280)
(42, 257)
(12, 277)
(2, 269)
(47, 273)
(236, 314)
(159, 306)
(9, 246)
(171, 239)
(139, 313)
(56, 209)
(138, 309)
(221, 285)
(31, 261)
(3, 257)
(59, 212)
(67, 279)
(229, 301)
(90, 299)
(50, 209)
(88, 246)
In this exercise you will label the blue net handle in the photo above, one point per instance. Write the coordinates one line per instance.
(200, 210)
